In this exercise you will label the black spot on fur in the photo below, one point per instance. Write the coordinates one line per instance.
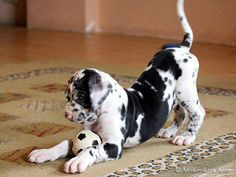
(181, 18)
(122, 111)
(186, 39)
(190, 118)
(90, 152)
(111, 150)
(91, 119)
(191, 131)
(71, 80)
(124, 131)
(122, 143)
(179, 92)
(168, 97)
(67, 95)
(79, 151)
(183, 103)
(174, 101)
(185, 60)
(165, 60)
(170, 82)
(82, 94)
(81, 136)
(104, 97)
(165, 79)
(75, 110)
(81, 115)
(95, 142)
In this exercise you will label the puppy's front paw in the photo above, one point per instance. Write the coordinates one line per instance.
(79, 163)
(167, 133)
(41, 155)
(184, 139)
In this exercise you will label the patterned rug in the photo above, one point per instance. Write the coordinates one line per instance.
(31, 116)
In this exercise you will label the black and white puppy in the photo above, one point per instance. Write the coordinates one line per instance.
(128, 117)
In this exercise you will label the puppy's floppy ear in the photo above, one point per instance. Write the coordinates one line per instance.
(95, 82)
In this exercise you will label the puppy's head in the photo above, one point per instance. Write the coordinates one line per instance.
(87, 90)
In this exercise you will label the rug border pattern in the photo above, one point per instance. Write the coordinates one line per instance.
(69, 70)
(177, 159)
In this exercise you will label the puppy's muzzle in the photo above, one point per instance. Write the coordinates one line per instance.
(68, 115)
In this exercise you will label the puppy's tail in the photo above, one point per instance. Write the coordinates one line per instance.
(188, 37)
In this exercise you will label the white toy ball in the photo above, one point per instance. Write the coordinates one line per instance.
(83, 140)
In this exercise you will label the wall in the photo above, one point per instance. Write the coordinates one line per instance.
(64, 15)
(13, 12)
(213, 21)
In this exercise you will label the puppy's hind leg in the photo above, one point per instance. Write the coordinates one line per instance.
(187, 96)
(174, 127)
(196, 115)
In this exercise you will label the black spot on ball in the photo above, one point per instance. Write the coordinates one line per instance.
(81, 136)
(79, 151)
(95, 142)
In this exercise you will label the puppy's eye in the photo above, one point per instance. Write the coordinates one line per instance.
(68, 98)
